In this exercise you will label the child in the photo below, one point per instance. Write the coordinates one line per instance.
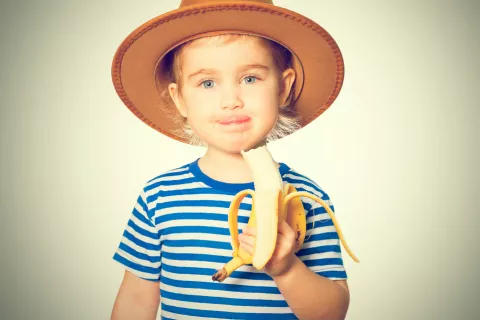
(214, 74)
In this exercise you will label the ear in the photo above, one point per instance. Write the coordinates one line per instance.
(288, 77)
(177, 99)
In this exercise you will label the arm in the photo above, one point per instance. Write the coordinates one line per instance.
(136, 299)
(311, 296)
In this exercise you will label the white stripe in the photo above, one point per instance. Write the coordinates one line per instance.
(143, 225)
(220, 307)
(319, 229)
(198, 236)
(172, 315)
(222, 293)
(198, 250)
(140, 236)
(138, 273)
(229, 280)
(317, 205)
(323, 255)
(191, 185)
(318, 217)
(183, 174)
(151, 253)
(297, 176)
(320, 243)
(310, 190)
(134, 259)
(189, 209)
(196, 223)
(199, 196)
(165, 176)
(204, 264)
(140, 209)
(162, 187)
(328, 268)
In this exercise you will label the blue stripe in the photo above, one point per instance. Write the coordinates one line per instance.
(225, 301)
(209, 272)
(320, 223)
(170, 182)
(323, 262)
(333, 274)
(171, 173)
(197, 216)
(320, 249)
(195, 257)
(143, 232)
(144, 206)
(319, 209)
(227, 315)
(320, 193)
(321, 236)
(140, 243)
(219, 286)
(198, 243)
(191, 191)
(195, 229)
(153, 271)
(140, 216)
(199, 203)
(139, 255)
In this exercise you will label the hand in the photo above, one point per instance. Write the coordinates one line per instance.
(283, 256)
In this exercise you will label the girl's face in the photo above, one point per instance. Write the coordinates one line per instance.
(230, 92)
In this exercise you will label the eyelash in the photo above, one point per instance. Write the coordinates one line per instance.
(249, 76)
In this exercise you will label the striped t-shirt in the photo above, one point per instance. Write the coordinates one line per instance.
(178, 234)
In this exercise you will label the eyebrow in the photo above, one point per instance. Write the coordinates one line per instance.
(240, 69)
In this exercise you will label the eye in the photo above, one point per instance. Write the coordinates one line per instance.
(250, 79)
(207, 84)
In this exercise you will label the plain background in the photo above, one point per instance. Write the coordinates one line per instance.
(397, 152)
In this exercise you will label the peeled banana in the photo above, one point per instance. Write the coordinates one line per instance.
(271, 201)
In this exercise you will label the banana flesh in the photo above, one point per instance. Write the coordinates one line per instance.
(271, 201)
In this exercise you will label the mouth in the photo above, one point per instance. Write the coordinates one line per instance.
(234, 120)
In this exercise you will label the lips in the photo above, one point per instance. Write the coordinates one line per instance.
(234, 120)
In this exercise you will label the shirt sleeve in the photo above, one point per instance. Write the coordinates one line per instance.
(321, 251)
(139, 250)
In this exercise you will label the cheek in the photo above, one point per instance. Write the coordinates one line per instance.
(264, 100)
(198, 105)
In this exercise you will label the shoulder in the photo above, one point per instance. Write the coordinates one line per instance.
(171, 174)
(170, 181)
(303, 182)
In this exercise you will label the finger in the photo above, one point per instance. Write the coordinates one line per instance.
(285, 233)
(249, 231)
(284, 228)
(247, 248)
(245, 239)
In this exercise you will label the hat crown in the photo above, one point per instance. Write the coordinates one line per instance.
(186, 3)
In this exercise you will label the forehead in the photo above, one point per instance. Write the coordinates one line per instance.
(218, 52)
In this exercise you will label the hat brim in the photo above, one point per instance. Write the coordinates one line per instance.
(318, 61)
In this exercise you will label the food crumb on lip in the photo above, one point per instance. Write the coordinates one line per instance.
(234, 120)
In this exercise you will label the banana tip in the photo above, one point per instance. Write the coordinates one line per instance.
(220, 275)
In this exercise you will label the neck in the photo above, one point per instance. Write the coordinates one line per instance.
(225, 166)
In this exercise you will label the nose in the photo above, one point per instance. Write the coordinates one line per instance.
(231, 98)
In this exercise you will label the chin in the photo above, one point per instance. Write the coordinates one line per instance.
(236, 144)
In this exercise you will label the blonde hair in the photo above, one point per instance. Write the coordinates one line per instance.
(288, 121)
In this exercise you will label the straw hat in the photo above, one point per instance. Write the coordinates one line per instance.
(139, 65)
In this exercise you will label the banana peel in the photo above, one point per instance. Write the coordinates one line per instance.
(271, 200)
